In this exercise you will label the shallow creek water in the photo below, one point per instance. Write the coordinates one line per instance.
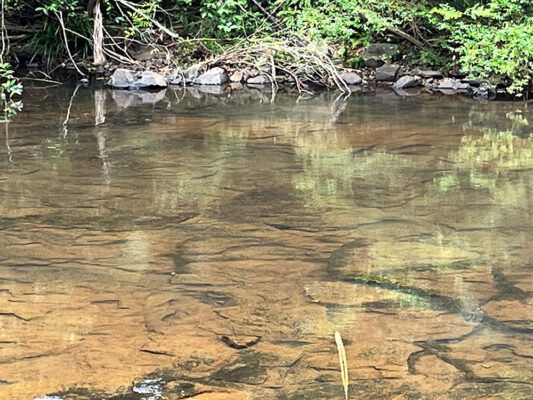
(195, 245)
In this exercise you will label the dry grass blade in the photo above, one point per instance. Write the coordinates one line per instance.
(342, 362)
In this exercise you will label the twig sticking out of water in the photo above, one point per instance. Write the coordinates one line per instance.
(342, 362)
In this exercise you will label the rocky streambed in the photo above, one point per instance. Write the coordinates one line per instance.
(208, 247)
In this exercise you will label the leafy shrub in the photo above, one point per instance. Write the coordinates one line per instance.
(9, 87)
(493, 41)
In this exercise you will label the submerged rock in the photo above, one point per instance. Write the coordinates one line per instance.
(388, 72)
(149, 387)
(407, 81)
(246, 369)
(351, 78)
(215, 76)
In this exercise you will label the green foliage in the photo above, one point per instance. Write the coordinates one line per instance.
(141, 18)
(490, 39)
(493, 41)
(229, 18)
(10, 87)
(48, 42)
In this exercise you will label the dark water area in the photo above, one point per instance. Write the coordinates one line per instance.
(185, 244)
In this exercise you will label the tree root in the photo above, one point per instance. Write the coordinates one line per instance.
(306, 63)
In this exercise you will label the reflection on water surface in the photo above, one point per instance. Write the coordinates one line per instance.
(207, 246)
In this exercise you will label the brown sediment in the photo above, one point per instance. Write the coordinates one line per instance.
(131, 259)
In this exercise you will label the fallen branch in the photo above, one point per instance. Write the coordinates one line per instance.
(59, 15)
(405, 36)
(131, 6)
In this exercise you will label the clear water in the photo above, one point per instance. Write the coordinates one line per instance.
(188, 244)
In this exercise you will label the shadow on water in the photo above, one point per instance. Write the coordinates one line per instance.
(207, 244)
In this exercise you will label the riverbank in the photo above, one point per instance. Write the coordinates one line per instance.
(482, 49)
(307, 70)
(349, 80)
(154, 74)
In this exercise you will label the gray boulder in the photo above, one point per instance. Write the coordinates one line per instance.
(453, 84)
(122, 78)
(258, 80)
(407, 81)
(351, 78)
(388, 72)
(150, 79)
(214, 76)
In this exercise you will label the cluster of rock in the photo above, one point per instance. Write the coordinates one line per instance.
(377, 70)
(432, 80)
(124, 78)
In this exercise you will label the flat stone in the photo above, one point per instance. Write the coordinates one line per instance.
(258, 80)
(122, 78)
(215, 76)
(388, 72)
(427, 74)
(407, 81)
(453, 84)
(150, 79)
(351, 78)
